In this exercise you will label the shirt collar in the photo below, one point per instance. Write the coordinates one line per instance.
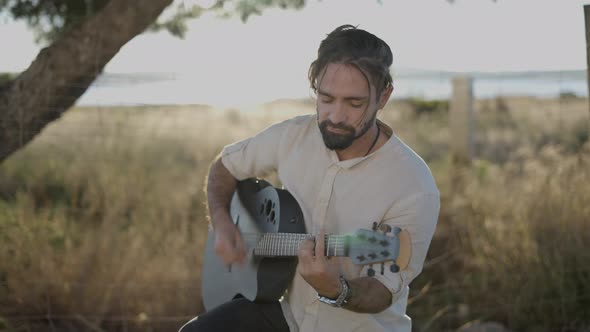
(347, 164)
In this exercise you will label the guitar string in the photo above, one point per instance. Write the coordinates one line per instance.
(273, 244)
(265, 244)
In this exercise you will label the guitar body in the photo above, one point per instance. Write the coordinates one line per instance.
(257, 208)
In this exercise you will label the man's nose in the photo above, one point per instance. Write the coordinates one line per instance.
(337, 114)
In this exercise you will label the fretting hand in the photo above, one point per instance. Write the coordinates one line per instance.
(319, 271)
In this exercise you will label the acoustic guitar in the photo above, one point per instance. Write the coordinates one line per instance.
(272, 226)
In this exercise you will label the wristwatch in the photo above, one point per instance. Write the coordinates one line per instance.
(342, 298)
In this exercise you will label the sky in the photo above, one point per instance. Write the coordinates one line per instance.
(469, 35)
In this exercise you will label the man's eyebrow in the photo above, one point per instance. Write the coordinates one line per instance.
(358, 98)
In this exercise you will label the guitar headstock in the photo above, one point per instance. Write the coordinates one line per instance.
(372, 246)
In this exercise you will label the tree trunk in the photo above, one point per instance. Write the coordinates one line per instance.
(62, 72)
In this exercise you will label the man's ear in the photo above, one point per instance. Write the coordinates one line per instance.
(385, 95)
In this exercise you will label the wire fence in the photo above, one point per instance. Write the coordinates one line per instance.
(148, 90)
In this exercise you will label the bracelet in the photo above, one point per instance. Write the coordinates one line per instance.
(341, 299)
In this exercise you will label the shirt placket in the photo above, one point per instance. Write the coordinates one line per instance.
(318, 223)
(323, 199)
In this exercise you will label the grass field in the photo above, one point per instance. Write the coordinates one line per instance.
(103, 223)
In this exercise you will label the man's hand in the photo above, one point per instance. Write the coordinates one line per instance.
(229, 244)
(321, 273)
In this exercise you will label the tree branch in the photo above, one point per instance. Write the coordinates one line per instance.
(62, 72)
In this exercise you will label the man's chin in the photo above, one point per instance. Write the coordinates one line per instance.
(336, 140)
(336, 146)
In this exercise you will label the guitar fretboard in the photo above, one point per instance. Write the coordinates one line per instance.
(287, 244)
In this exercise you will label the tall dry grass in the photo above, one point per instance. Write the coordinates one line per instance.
(512, 235)
(102, 219)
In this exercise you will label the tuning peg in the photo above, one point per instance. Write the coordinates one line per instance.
(372, 239)
(384, 243)
(396, 230)
(382, 268)
(374, 226)
(371, 272)
(385, 228)
(360, 258)
(372, 255)
(384, 253)
(394, 268)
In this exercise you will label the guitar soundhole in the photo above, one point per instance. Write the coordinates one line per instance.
(268, 207)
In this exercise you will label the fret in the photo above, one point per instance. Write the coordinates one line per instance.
(334, 245)
(335, 249)
(273, 246)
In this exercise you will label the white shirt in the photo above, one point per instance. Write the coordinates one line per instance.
(392, 185)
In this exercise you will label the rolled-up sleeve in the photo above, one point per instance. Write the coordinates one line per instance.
(256, 156)
(417, 214)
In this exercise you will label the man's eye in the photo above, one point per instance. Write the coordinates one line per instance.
(326, 100)
(356, 105)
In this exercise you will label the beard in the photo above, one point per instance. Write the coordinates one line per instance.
(340, 141)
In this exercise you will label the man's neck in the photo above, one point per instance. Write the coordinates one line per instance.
(360, 147)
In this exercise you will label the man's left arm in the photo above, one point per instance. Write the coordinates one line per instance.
(418, 215)
(369, 295)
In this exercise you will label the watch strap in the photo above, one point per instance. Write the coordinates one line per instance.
(341, 299)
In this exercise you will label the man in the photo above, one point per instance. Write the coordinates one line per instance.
(346, 169)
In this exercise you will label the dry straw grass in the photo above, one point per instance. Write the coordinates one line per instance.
(102, 219)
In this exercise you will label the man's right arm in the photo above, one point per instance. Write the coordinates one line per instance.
(252, 157)
(221, 185)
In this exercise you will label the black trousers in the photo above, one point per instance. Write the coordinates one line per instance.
(240, 315)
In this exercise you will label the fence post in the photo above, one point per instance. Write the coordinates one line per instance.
(461, 127)
(587, 23)
(461, 121)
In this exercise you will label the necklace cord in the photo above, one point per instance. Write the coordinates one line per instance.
(374, 141)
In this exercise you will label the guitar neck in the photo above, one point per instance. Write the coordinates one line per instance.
(287, 244)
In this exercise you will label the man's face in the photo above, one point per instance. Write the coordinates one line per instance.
(346, 109)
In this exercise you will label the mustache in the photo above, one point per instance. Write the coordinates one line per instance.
(342, 126)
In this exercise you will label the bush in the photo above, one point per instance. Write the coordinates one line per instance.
(423, 106)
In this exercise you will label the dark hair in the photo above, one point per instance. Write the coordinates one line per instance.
(349, 45)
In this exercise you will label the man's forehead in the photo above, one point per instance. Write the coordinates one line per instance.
(343, 79)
